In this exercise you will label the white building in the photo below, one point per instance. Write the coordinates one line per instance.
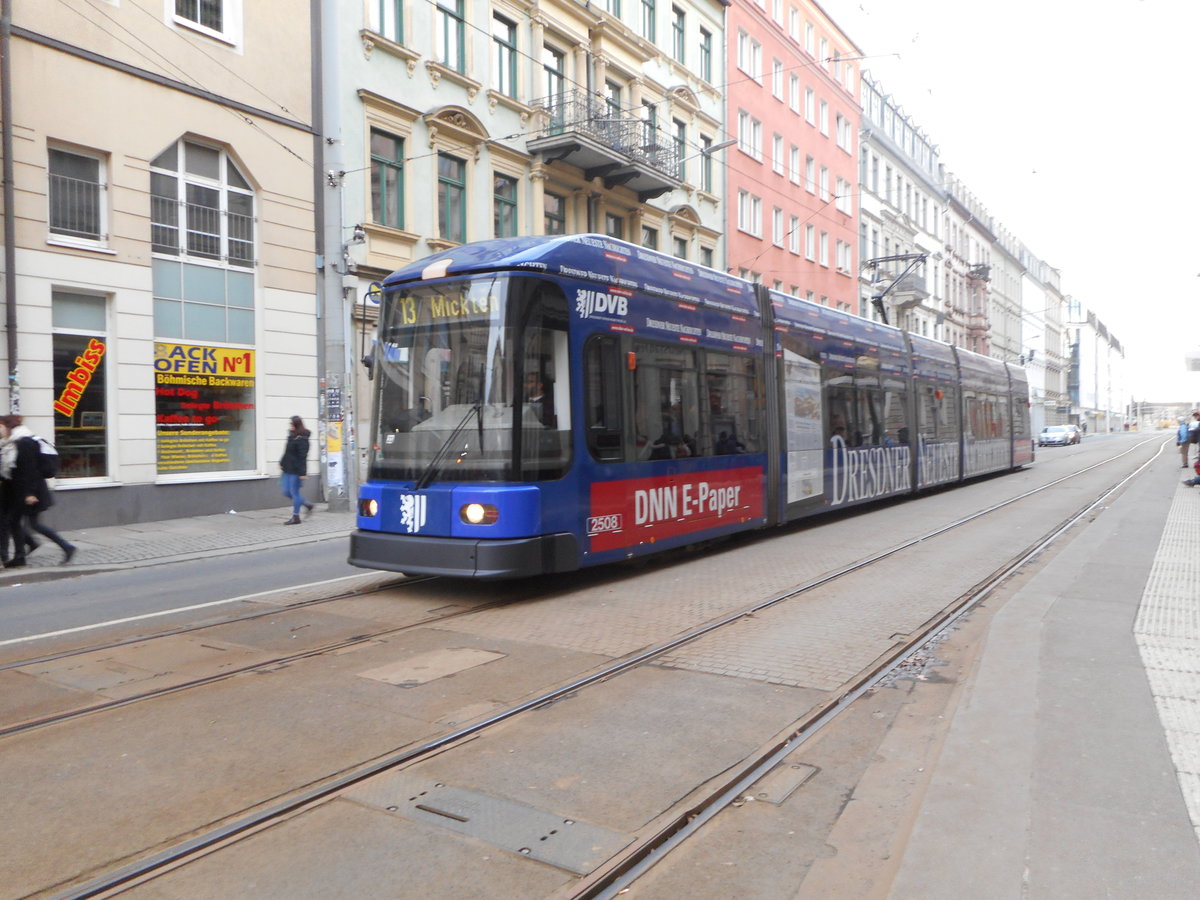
(901, 208)
(1097, 383)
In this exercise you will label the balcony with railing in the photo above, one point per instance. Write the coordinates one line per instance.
(581, 129)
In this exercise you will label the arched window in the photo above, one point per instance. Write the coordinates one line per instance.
(202, 215)
(201, 205)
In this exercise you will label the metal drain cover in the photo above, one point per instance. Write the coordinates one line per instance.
(560, 841)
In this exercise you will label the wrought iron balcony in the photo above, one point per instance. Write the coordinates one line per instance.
(583, 130)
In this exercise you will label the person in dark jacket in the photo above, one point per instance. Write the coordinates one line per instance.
(294, 464)
(25, 492)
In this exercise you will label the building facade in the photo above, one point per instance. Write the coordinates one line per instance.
(901, 212)
(1100, 402)
(792, 211)
(160, 288)
(517, 119)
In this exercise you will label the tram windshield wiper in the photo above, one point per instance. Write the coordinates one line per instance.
(436, 462)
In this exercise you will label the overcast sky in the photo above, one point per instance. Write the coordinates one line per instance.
(1075, 125)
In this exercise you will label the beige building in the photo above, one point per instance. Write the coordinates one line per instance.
(161, 269)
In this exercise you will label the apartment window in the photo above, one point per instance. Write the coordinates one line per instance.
(504, 41)
(810, 242)
(678, 33)
(452, 198)
(794, 165)
(218, 17)
(777, 79)
(810, 174)
(749, 213)
(679, 138)
(614, 226)
(777, 161)
(451, 26)
(843, 198)
(794, 94)
(809, 35)
(794, 23)
(387, 179)
(823, 259)
(777, 226)
(824, 123)
(79, 346)
(706, 256)
(649, 237)
(794, 238)
(554, 213)
(554, 73)
(749, 56)
(749, 135)
(387, 19)
(706, 54)
(612, 99)
(680, 245)
(824, 183)
(202, 208)
(706, 164)
(648, 17)
(810, 106)
(612, 7)
(844, 256)
(76, 186)
(504, 205)
(825, 53)
(844, 134)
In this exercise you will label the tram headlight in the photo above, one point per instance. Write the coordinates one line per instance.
(367, 507)
(479, 514)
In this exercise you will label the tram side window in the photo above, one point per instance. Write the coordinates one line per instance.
(936, 412)
(895, 413)
(1020, 415)
(603, 406)
(733, 392)
(666, 409)
(545, 408)
(843, 410)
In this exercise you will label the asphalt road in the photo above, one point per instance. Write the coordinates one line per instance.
(42, 607)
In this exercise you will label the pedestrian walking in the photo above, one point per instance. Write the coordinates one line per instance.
(26, 494)
(1181, 440)
(294, 464)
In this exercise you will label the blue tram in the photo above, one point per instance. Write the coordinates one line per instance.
(547, 403)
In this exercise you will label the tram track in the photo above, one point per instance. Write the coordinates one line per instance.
(263, 665)
(675, 825)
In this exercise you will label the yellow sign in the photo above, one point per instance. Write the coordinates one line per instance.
(191, 359)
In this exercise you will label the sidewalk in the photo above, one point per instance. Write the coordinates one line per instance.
(173, 540)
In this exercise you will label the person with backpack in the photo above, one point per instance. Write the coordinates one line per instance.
(25, 492)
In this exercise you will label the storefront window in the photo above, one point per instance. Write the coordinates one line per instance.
(204, 408)
(80, 345)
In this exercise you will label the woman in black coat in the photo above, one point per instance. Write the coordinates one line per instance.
(25, 492)
(294, 464)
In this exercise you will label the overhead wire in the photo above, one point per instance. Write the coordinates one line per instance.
(180, 72)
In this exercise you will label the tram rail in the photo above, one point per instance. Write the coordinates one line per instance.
(675, 825)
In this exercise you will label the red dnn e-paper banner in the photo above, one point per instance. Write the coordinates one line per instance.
(640, 510)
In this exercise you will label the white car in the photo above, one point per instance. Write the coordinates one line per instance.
(1054, 435)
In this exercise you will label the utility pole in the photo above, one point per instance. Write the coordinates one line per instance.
(339, 470)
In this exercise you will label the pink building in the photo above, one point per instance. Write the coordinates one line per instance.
(791, 182)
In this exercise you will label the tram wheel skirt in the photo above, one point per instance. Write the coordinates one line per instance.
(417, 555)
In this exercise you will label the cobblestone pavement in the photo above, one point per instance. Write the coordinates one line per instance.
(150, 543)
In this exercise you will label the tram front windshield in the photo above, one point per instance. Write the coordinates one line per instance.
(471, 382)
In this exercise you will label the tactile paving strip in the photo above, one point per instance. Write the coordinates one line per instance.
(1167, 631)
